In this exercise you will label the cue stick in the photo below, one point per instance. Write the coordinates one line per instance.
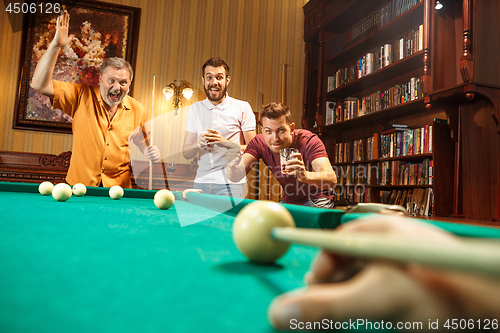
(463, 255)
(150, 184)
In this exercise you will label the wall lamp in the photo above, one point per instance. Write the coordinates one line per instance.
(175, 89)
(439, 5)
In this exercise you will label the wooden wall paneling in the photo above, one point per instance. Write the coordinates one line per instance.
(480, 161)
(443, 152)
(444, 49)
(275, 190)
(318, 118)
(253, 184)
(263, 181)
(33, 168)
(484, 41)
(307, 71)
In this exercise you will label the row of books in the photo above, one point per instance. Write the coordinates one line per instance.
(401, 141)
(404, 5)
(388, 173)
(422, 198)
(352, 107)
(411, 42)
(405, 173)
(352, 193)
(387, 54)
(370, 23)
(398, 140)
(354, 174)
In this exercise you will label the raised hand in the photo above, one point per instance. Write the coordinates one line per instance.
(61, 38)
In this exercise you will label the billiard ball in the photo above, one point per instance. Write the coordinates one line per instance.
(79, 190)
(61, 192)
(252, 229)
(45, 188)
(116, 192)
(164, 199)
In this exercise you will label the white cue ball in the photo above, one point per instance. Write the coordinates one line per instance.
(116, 192)
(45, 188)
(252, 228)
(62, 192)
(164, 199)
(79, 190)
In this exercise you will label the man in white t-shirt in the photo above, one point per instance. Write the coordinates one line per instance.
(212, 122)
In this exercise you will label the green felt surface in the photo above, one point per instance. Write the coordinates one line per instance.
(305, 217)
(93, 264)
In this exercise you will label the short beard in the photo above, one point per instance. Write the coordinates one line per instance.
(217, 98)
(106, 100)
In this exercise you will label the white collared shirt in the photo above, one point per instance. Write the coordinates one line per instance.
(230, 118)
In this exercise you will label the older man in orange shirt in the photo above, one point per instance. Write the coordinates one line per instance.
(104, 117)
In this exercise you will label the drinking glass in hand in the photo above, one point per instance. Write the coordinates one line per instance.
(206, 128)
(285, 155)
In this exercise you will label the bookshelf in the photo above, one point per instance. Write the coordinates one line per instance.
(370, 66)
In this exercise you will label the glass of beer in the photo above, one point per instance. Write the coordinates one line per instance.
(285, 155)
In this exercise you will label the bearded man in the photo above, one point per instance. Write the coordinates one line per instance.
(213, 122)
(104, 116)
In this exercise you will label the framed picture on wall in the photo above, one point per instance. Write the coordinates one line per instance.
(101, 30)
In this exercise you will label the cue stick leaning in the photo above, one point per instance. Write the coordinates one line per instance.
(150, 183)
(463, 255)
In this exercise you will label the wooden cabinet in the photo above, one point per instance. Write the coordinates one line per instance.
(381, 63)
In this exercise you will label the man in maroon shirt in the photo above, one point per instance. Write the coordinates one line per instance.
(309, 175)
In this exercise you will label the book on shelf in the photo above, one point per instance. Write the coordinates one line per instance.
(376, 146)
(352, 107)
(402, 141)
(377, 59)
(394, 130)
(385, 196)
(431, 172)
(429, 141)
(442, 121)
(395, 126)
(358, 150)
(423, 197)
(371, 22)
(404, 173)
(426, 166)
(429, 202)
(330, 113)
(405, 5)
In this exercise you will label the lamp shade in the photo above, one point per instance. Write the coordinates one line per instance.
(168, 92)
(187, 93)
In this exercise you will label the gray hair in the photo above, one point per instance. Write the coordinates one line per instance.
(117, 63)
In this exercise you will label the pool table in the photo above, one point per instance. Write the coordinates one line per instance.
(93, 264)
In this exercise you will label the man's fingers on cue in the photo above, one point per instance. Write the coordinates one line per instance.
(328, 268)
(381, 291)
